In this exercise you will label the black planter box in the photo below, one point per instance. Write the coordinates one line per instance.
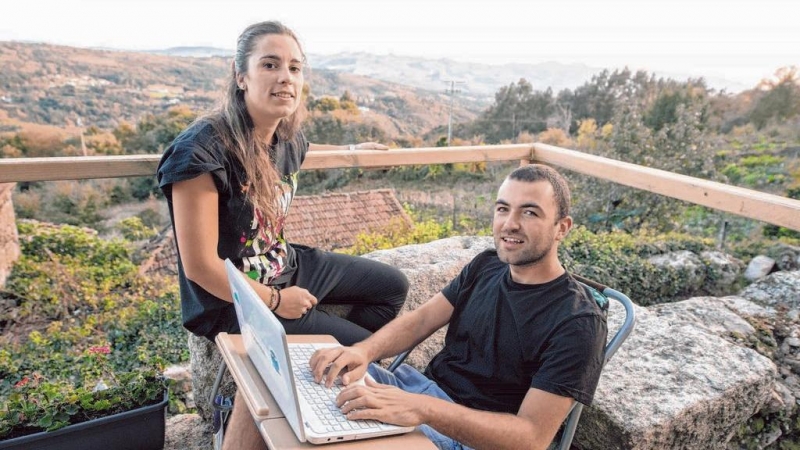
(138, 429)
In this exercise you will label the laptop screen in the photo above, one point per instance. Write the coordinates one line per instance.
(265, 342)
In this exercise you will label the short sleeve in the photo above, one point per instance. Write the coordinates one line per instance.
(573, 360)
(458, 284)
(302, 146)
(193, 153)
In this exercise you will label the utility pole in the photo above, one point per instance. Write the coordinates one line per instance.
(451, 90)
(83, 141)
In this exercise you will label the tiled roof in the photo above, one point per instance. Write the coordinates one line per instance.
(333, 221)
(163, 254)
(328, 222)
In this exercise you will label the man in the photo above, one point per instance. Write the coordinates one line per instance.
(524, 340)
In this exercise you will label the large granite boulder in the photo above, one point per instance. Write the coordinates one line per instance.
(722, 272)
(787, 257)
(187, 432)
(204, 363)
(759, 267)
(675, 383)
(779, 288)
(687, 264)
(711, 272)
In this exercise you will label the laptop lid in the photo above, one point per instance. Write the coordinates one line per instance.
(265, 341)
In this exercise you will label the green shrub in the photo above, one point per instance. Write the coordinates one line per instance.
(398, 233)
(619, 260)
(134, 229)
(76, 291)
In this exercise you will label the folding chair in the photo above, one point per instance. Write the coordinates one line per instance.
(616, 341)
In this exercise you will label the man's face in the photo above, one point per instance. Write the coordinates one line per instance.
(525, 225)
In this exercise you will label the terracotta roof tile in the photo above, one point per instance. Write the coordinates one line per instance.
(331, 221)
(327, 221)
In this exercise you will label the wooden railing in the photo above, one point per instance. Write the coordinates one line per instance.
(756, 205)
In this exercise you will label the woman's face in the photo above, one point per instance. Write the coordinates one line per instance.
(274, 80)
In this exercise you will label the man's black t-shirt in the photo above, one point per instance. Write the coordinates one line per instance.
(505, 338)
(258, 249)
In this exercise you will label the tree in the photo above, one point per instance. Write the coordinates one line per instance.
(782, 98)
(517, 108)
(156, 132)
(650, 128)
(663, 111)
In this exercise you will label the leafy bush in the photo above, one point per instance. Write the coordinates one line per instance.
(619, 260)
(75, 293)
(398, 233)
(757, 170)
(134, 229)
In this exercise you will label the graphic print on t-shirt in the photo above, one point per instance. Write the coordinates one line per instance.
(267, 242)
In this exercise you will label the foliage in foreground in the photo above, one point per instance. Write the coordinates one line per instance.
(83, 317)
(36, 405)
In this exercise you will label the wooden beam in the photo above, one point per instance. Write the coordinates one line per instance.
(415, 156)
(77, 168)
(748, 203)
(744, 202)
(89, 167)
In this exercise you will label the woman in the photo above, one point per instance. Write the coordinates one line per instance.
(229, 179)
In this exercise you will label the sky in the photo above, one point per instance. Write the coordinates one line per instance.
(740, 40)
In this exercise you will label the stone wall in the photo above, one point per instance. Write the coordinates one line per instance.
(9, 241)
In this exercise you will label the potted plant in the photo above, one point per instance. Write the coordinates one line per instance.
(122, 411)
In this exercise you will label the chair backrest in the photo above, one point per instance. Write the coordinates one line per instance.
(611, 347)
(613, 344)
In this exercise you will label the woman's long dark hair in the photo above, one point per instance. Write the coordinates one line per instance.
(235, 126)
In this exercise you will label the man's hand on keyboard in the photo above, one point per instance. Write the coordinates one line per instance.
(388, 404)
(349, 362)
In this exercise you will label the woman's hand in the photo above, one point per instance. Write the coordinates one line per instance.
(312, 147)
(295, 302)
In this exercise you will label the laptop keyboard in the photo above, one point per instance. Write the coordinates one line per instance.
(322, 399)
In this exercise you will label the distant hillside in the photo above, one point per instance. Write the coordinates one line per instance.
(58, 85)
(193, 52)
(482, 81)
(67, 86)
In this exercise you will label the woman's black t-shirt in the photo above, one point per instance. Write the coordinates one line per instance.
(257, 248)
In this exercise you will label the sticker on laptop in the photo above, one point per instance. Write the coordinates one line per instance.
(275, 364)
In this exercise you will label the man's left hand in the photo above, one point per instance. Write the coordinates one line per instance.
(382, 402)
(371, 146)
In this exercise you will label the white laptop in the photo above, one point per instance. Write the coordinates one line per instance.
(308, 407)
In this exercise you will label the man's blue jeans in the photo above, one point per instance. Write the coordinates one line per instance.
(410, 380)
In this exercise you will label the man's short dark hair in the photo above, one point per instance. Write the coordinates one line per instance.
(540, 172)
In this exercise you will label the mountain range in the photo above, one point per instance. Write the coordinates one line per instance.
(62, 86)
(475, 82)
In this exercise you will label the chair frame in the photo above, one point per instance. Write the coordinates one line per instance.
(574, 415)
